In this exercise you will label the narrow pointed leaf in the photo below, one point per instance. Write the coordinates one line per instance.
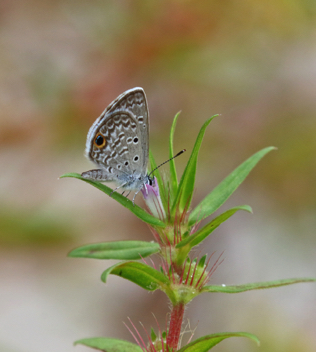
(201, 234)
(205, 343)
(153, 336)
(135, 209)
(157, 174)
(122, 250)
(109, 344)
(254, 286)
(186, 186)
(173, 171)
(226, 188)
(139, 273)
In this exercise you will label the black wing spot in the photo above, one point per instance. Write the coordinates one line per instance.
(99, 141)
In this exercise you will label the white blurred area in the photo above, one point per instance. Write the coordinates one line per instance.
(61, 64)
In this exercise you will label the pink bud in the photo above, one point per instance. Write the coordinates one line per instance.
(153, 201)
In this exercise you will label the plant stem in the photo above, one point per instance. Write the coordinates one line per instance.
(175, 326)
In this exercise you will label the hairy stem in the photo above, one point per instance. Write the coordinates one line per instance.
(175, 326)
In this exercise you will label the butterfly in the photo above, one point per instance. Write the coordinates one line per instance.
(118, 143)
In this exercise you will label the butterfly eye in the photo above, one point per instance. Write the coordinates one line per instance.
(99, 141)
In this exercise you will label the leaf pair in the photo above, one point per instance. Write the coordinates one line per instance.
(151, 279)
(180, 194)
(203, 344)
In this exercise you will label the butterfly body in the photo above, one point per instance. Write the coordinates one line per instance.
(117, 142)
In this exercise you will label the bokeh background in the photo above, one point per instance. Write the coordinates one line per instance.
(62, 62)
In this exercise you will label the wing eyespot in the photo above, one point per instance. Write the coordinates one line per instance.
(99, 141)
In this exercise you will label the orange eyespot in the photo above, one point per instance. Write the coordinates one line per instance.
(99, 141)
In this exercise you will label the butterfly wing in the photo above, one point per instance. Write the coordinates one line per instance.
(134, 100)
(118, 140)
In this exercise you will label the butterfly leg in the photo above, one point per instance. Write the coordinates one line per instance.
(126, 194)
(118, 188)
(135, 197)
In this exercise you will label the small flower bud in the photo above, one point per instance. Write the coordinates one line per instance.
(153, 201)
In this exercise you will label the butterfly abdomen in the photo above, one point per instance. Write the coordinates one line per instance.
(98, 175)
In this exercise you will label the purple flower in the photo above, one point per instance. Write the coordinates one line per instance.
(153, 201)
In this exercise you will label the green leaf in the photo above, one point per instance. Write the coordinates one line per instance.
(135, 209)
(201, 234)
(109, 345)
(153, 335)
(205, 343)
(142, 275)
(186, 186)
(122, 250)
(226, 188)
(161, 186)
(173, 171)
(255, 285)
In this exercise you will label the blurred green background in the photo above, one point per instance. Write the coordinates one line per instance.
(62, 63)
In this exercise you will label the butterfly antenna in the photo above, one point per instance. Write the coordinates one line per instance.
(167, 161)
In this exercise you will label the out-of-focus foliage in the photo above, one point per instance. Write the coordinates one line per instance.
(20, 227)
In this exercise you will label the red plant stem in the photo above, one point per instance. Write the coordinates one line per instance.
(175, 324)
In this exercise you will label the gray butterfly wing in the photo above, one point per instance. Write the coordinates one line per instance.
(134, 100)
(118, 140)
